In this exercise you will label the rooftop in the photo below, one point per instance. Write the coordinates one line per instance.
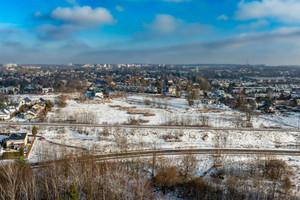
(17, 136)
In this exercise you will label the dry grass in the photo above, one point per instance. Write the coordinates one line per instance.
(133, 101)
(114, 106)
(144, 121)
(145, 113)
(118, 95)
(172, 138)
(133, 110)
(126, 108)
(211, 110)
(148, 114)
(133, 121)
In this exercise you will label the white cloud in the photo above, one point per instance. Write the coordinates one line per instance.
(83, 15)
(164, 24)
(259, 23)
(167, 25)
(9, 31)
(74, 19)
(281, 10)
(52, 32)
(235, 49)
(119, 8)
(38, 14)
(256, 24)
(223, 17)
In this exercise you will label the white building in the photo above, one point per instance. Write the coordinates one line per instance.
(4, 114)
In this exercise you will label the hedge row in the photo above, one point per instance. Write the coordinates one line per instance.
(28, 150)
(11, 154)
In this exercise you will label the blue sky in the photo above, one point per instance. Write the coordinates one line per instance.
(150, 31)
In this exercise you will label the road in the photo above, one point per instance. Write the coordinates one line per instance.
(211, 151)
(146, 127)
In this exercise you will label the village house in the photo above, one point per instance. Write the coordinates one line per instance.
(17, 140)
(38, 107)
(26, 101)
(30, 114)
(98, 95)
(4, 114)
(282, 102)
(35, 110)
(172, 89)
(47, 90)
(13, 108)
(41, 101)
(3, 101)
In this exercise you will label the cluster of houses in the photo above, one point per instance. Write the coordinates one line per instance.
(95, 92)
(29, 89)
(9, 90)
(30, 109)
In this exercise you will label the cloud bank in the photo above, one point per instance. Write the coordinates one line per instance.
(280, 10)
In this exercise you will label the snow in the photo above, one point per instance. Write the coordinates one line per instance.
(115, 111)
(164, 110)
(71, 140)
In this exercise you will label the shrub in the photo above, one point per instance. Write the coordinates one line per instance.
(147, 102)
(106, 132)
(61, 101)
(28, 150)
(11, 154)
(34, 131)
(133, 121)
(49, 104)
(167, 177)
(275, 170)
(73, 192)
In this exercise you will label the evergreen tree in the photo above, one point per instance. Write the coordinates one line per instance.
(22, 151)
(73, 192)
(34, 131)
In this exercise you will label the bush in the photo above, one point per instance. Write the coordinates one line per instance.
(11, 154)
(275, 170)
(61, 101)
(73, 192)
(106, 132)
(133, 121)
(49, 104)
(34, 131)
(167, 177)
(147, 102)
(28, 150)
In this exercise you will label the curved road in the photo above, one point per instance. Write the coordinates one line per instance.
(212, 151)
(146, 126)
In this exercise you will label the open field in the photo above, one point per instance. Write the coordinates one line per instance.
(63, 141)
(153, 110)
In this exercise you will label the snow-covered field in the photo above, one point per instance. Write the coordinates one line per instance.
(153, 110)
(123, 139)
(62, 141)
(164, 111)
